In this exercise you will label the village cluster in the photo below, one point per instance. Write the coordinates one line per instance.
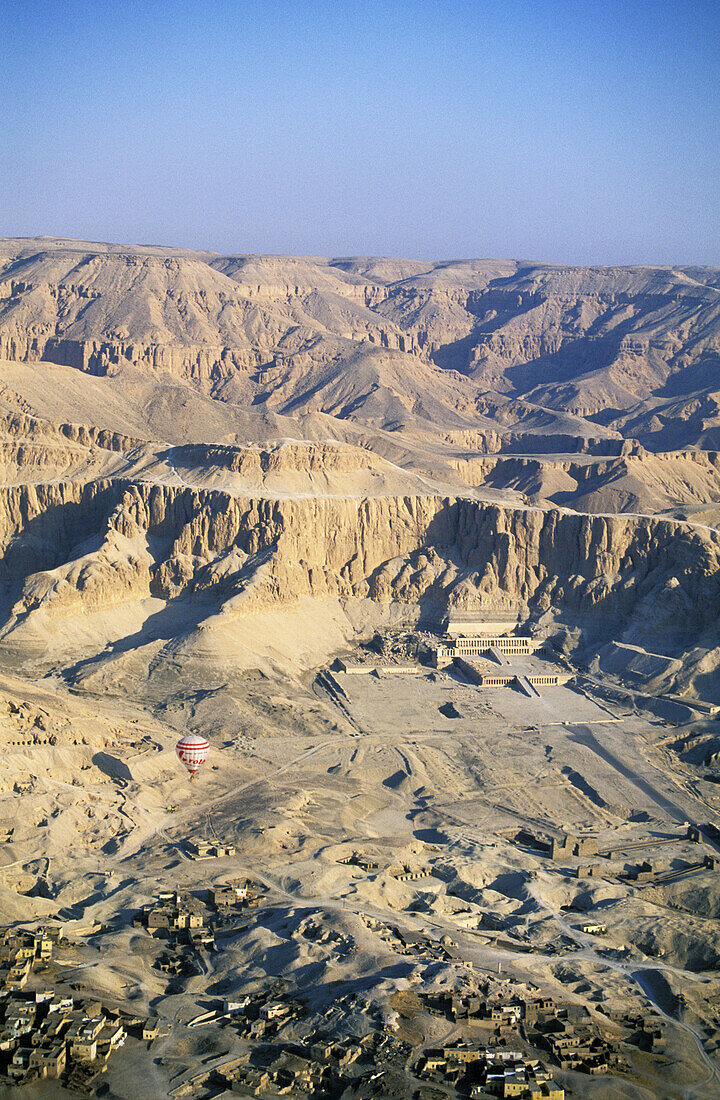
(491, 1073)
(516, 1026)
(49, 1034)
(185, 919)
(508, 1019)
(321, 1067)
(507, 1028)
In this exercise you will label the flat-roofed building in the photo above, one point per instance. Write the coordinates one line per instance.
(273, 1010)
(20, 1063)
(43, 946)
(83, 1037)
(463, 1054)
(49, 1061)
(110, 1038)
(150, 1029)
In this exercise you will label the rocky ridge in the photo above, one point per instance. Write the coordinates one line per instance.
(609, 350)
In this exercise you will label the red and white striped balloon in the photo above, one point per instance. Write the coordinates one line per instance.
(192, 751)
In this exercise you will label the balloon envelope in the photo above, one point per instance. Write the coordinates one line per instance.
(192, 751)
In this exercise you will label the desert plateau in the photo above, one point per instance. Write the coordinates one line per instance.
(428, 553)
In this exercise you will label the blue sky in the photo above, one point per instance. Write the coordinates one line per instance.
(565, 130)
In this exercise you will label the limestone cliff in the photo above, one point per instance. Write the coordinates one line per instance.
(104, 544)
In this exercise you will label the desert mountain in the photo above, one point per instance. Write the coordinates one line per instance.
(489, 352)
(193, 445)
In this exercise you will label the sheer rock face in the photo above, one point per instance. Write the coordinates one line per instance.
(68, 546)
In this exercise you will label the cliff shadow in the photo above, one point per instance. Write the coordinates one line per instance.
(701, 375)
(51, 537)
(180, 616)
(112, 767)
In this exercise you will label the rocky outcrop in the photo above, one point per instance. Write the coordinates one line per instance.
(202, 364)
(32, 430)
(254, 462)
(635, 481)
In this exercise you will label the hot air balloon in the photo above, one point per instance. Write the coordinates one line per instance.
(192, 751)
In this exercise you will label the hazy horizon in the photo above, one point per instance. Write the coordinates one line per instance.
(548, 131)
(164, 246)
